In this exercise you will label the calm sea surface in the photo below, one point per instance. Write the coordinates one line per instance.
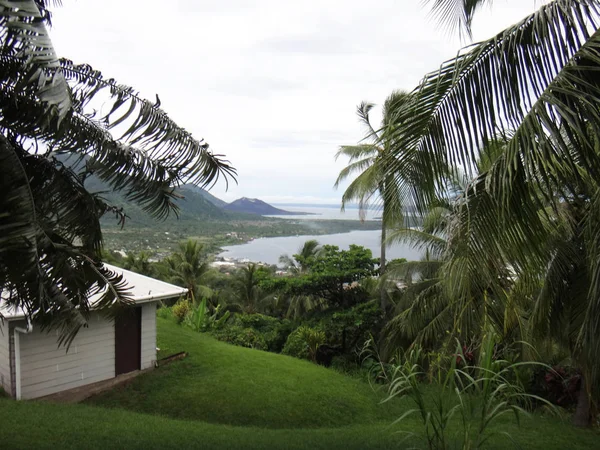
(268, 250)
(326, 212)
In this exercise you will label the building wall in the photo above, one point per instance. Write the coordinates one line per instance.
(47, 368)
(148, 335)
(5, 357)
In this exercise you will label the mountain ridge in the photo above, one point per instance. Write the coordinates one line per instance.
(257, 206)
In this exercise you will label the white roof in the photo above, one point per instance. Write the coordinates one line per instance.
(142, 289)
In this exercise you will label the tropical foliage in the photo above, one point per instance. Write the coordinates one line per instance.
(189, 267)
(516, 250)
(50, 249)
(374, 184)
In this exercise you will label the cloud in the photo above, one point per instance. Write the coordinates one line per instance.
(273, 85)
(313, 45)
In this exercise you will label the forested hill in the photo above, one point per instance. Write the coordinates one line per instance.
(205, 194)
(256, 206)
(195, 204)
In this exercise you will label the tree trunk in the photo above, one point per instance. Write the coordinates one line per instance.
(582, 417)
(382, 290)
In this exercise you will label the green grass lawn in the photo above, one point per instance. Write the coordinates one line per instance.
(220, 383)
(223, 396)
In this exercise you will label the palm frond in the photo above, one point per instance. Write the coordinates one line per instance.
(357, 152)
(456, 14)
(419, 240)
(363, 188)
(533, 77)
(362, 111)
(41, 271)
(149, 128)
(353, 168)
(25, 38)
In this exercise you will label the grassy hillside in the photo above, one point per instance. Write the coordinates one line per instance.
(220, 383)
(230, 397)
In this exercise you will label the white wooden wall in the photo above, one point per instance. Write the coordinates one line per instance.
(47, 368)
(4, 357)
(148, 335)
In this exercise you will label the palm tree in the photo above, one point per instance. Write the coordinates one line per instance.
(539, 79)
(309, 250)
(190, 268)
(451, 293)
(51, 240)
(373, 182)
(139, 263)
(248, 293)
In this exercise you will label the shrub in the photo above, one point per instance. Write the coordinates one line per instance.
(350, 329)
(165, 312)
(259, 322)
(314, 339)
(559, 385)
(343, 364)
(200, 319)
(295, 345)
(479, 395)
(196, 319)
(244, 337)
(181, 309)
(274, 331)
(304, 342)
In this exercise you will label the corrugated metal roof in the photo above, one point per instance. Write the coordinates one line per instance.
(142, 289)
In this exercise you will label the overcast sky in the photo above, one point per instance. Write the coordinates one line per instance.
(271, 84)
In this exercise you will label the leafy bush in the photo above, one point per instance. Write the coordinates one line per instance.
(181, 309)
(350, 329)
(379, 369)
(295, 345)
(343, 364)
(259, 322)
(478, 394)
(244, 337)
(558, 385)
(314, 339)
(196, 318)
(274, 331)
(200, 319)
(165, 312)
(304, 342)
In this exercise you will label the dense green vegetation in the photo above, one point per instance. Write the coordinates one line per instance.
(497, 152)
(327, 310)
(50, 249)
(229, 397)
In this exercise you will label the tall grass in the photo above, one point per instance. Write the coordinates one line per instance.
(475, 396)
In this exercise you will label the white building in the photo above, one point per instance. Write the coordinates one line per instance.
(33, 365)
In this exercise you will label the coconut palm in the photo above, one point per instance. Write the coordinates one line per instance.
(450, 293)
(309, 250)
(51, 240)
(539, 79)
(139, 263)
(248, 293)
(189, 267)
(456, 293)
(373, 182)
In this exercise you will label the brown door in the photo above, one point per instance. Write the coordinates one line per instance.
(128, 341)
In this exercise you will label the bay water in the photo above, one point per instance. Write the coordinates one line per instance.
(268, 250)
